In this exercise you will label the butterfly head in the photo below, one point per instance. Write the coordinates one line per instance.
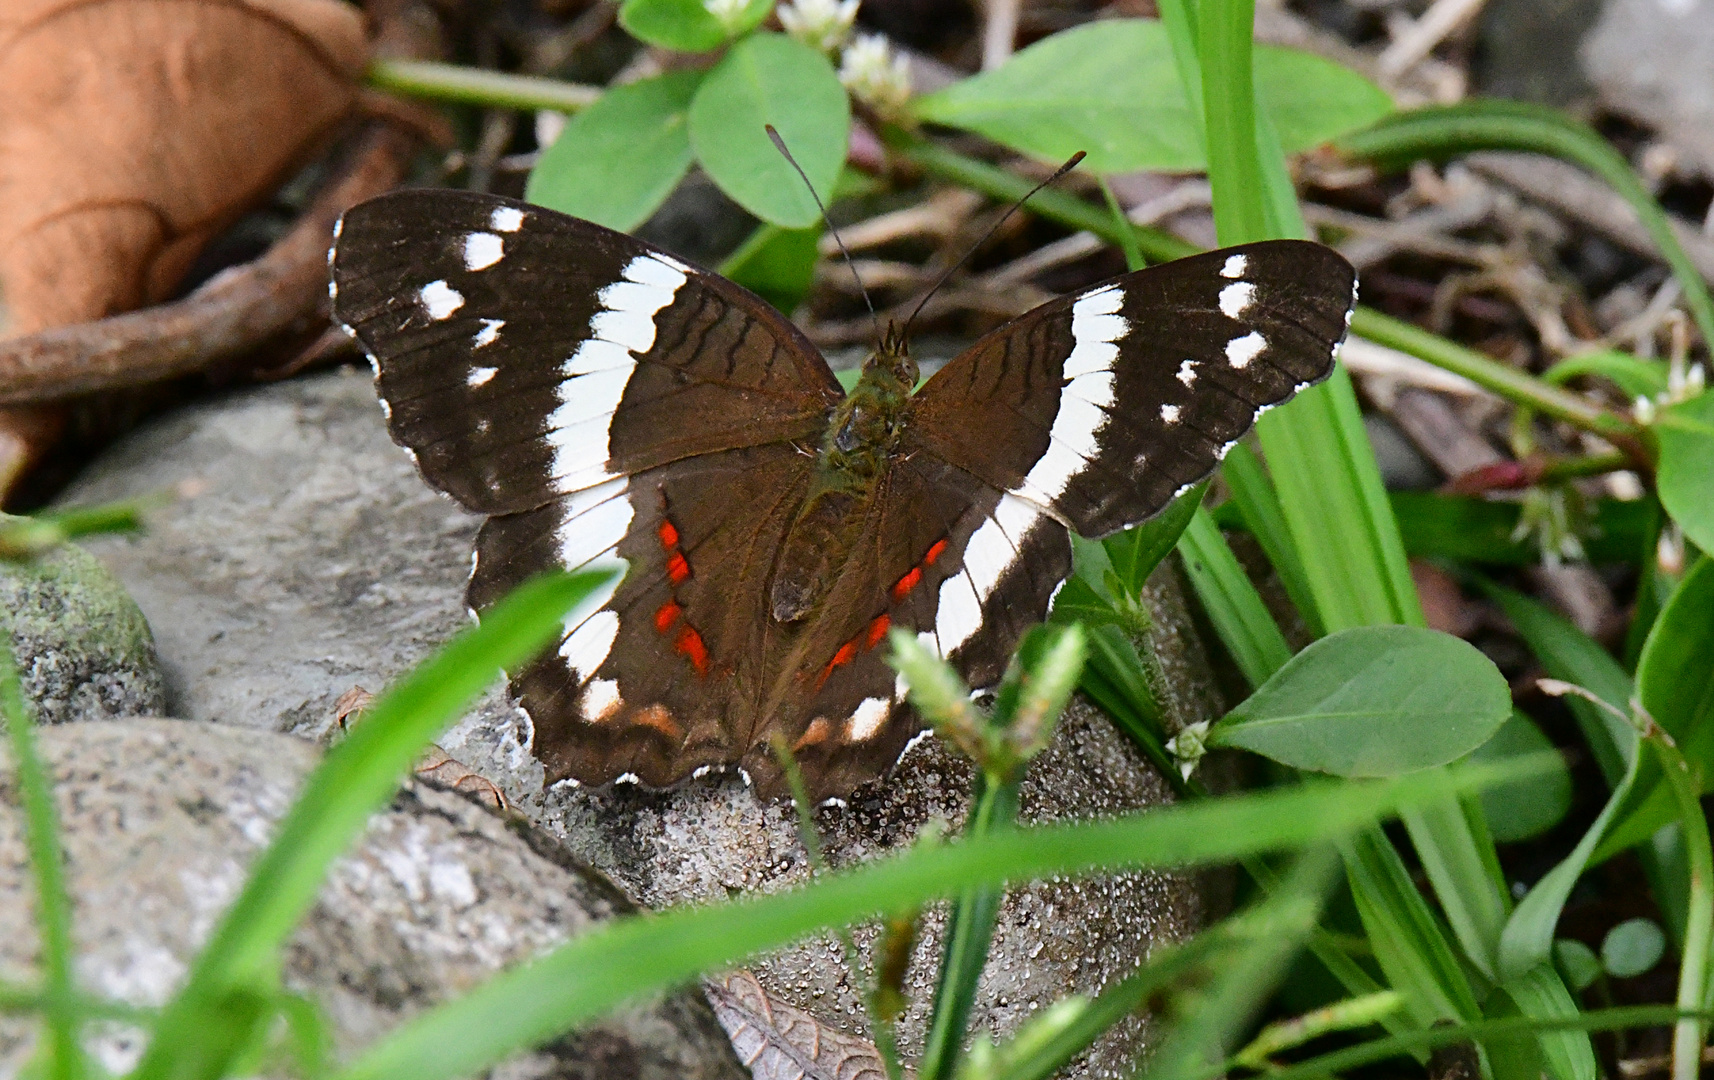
(892, 357)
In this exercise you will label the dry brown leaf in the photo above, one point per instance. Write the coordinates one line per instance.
(133, 131)
(779, 1042)
(437, 765)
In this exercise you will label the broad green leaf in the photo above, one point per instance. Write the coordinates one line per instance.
(619, 159)
(1110, 88)
(1137, 551)
(1373, 701)
(771, 79)
(1632, 947)
(1577, 963)
(1675, 675)
(1686, 477)
(1530, 807)
(776, 264)
(1675, 683)
(691, 25)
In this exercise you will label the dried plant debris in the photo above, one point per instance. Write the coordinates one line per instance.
(779, 1042)
(136, 130)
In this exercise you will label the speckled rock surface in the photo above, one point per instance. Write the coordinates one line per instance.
(161, 819)
(317, 559)
(83, 649)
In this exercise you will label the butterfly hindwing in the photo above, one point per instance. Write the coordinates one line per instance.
(1103, 406)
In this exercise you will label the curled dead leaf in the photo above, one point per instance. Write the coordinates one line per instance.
(779, 1042)
(133, 131)
(437, 765)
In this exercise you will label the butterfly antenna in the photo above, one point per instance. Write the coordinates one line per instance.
(780, 145)
(992, 229)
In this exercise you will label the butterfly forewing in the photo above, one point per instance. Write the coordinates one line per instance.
(505, 337)
(1103, 406)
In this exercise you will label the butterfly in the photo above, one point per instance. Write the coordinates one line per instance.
(599, 399)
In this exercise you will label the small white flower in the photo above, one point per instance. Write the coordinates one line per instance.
(1187, 747)
(726, 12)
(823, 25)
(875, 76)
(1643, 410)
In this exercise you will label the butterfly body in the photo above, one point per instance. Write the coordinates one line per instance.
(862, 436)
(600, 400)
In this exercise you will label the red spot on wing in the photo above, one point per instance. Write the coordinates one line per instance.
(667, 615)
(668, 534)
(678, 570)
(689, 643)
(935, 552)
(904, 585)
(877, 631)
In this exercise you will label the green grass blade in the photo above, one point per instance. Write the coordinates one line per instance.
(1569, 654)
(1240, 618)
(600, 970)
(1413, 953)
(1354, 1058)
(63, 1048)
(1258, 507)
(1223, 50)
(1231, 999)
(1288, 912)
(1337, 509)
(1464, 872)
(355, 778)
(1528, 938)
(1541, 995)
(1515, 125)
(969, 932)
(1694, 984)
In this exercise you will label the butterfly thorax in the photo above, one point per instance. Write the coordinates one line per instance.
(861, 434)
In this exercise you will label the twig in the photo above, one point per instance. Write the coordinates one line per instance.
(999, 31)
(1411, 46)
(1587, 201)
(230, 315)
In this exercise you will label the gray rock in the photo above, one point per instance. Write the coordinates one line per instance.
(317, 558)
(160, 819)
(1652, 59)
(82, 647)
(1527, 49)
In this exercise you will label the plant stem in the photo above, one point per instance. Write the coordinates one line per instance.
(478, 86)
(1693, 982)
(1503, 379)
